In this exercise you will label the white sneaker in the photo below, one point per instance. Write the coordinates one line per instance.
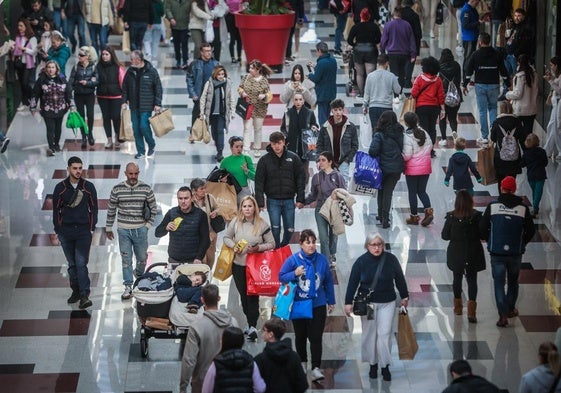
(443, 142)
(252, 334)
(317, 374)
(22, 108)
(482, 140)
(108, 145)
(396, 100)
(431, 33)
(127, 294)
(454, 135)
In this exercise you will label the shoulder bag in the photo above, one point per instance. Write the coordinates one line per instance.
(218, 224)
(361, 300)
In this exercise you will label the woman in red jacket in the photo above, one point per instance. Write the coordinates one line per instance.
(429, 94)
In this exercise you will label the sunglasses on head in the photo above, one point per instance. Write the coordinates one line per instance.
(82, 54)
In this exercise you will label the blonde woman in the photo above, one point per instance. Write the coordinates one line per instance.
(255, 88)
(248, 226)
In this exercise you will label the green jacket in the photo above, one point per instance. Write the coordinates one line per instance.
(178, 10)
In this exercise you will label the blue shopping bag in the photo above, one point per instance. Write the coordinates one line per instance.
(284, 300)
(367, 171)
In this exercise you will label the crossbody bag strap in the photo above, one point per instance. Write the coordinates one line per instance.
(209, 204)
(377, 275)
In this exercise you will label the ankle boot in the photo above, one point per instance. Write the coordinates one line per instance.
(84, 142)
(472, 306)
(428, 217)
(458, 306)
(373, 372)
(386, 375)
(91, 140)
(413, 220)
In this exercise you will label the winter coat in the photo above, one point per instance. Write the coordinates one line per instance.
(195, 76)
(348, 142)
(179, 11)
(80, 73)
(459, 166)
(253, 87)
(138, 11)
(106, 12)
(279, 177)
(234, 371)
(229, 102)
(451, 72)
(471, 383)
(387, 145)
(331, 212)
(109, 82)
(535, 160)
(198, 17)
(324, 77)
(428, 90)
(308, 91)
(538, 380)
(281, 369)
(293, 123)
(417, 158)
(60, 55)
(465, 252)
(469, 22)
(509, 123)
(54, 94)
(487, 65)
(142, 88)
(524, 99)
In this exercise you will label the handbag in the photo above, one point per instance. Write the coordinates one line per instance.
(406, 341)
(125, 131)
(302, 309)
(309, 142)
(223, 269)
(218, 224)
(162, 122)
(262, 271)
(244, 109)
(439, 19)
(408, 106)
(284, 300)
(367, 171)
(226, 198)
(486, 165)
(361, 300)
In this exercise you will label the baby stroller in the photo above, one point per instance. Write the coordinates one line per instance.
(351, 85)
(159, 311)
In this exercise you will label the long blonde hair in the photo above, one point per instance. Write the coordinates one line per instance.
(257, 220)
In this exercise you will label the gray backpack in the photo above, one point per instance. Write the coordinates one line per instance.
(510, 150)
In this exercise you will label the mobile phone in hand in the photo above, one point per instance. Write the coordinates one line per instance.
(309, 68)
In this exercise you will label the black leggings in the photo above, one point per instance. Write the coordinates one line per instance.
(471, 279)
(54, 129)
(85, 105)
(427, 119)
(24, 77)
(250, 304)
(451, 113)
(310, 329)
(111, 112)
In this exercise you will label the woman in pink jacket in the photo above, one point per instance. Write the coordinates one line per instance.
(416, 153)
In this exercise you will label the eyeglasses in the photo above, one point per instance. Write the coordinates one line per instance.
(376, 245)
(81, 54)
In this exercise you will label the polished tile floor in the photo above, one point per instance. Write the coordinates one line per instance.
(47, 345)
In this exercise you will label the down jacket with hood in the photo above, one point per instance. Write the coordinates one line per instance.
(142, 88)
(459, 166)
(524, 98)
(331, 212)
(538, 380)
(387, 145)
(428, 90)
(281, 369)
(417, 158)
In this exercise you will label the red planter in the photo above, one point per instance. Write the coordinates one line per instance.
(265, 37)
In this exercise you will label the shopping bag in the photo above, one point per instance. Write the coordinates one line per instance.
(244, 109)
(206, 133)
(75, 121)
(358, 189)
(226, 198)
(209, 31)
(309, 142)
(118, 26)
(302, 309)
(162, 122)
(406, 341)
(408, 106)
(126, 42)
(486, 165)
(125, 132)
(365, 132)
(198, 130)
(283, 301)
(367, 171)
(223, 269)
(262, 271)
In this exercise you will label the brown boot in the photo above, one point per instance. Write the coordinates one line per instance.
(472, 306)
(413, 220)
(428, 217)
(458, 306)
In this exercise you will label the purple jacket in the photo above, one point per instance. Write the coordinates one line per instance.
(398, 38)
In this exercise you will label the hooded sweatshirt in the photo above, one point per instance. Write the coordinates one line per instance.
(538, 380)
(459, 166)
(280, 368)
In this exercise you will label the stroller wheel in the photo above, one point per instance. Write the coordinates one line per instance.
(143, 347)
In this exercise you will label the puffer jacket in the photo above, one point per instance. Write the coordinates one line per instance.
(142, 88)
(80, 73)
(524, 98)
(465, 251)
(229, 103)
(330, 210)
(428, 90)
(387, 145)
(417, 158)
(198, 17)
(348, 142)
(109, 85)
(451, 72)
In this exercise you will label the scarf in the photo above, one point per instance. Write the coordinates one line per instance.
(307, 283)
(23, 41)
(218, 96)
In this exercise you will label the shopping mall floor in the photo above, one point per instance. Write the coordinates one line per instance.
(47, 345)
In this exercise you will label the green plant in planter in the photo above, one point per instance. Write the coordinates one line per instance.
(265, 7)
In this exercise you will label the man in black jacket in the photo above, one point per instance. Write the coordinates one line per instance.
(74, 220)
(279, 364)
(142, 93)
(280, 176)
(464, 381)
(138, 15)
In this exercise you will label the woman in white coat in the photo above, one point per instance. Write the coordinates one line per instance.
(524, 94)
(198, 17)
(553, 140)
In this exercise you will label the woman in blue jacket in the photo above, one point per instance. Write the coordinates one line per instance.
(310, 270)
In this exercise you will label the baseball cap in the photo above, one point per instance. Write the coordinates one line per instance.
(509, 184)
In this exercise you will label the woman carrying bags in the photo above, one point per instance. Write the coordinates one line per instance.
(465, 253)
(218, 106)
(315, 290)
(246, 234)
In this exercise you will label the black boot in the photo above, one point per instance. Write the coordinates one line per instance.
(91, 140)
(386, 373)
(84, 142)
(373, 373)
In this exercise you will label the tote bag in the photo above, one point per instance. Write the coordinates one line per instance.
(244, 109)
(226, 198)
(223, 269)
(367, 171)
(262, 271)
(125, 132)
(162, 122)
(283, 301)
(406, 341)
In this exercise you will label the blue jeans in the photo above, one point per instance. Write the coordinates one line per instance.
(506, 267)
(323, 111)
(133, 240)
(340, 23)
(327, 239)
(374, 113)
(281, 208)
(344, 170)
(417, 185)
(152, 41)
(76, 243)
(510, 64)
(486, 97)
(537, 192)
(136, 32)
(217, 125)
(142, 131)
(58, 20)
(71, 23)
(98, 35)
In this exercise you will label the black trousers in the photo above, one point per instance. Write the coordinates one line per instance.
(85, 107)
(25, 76)
(54, 129)
(389, 180)
(250, 304)
(399, 66)
(235, 38)
(428, 115)
(312, 330)
(471, 279)
(451, 113)
(180, 45)
(111, 112)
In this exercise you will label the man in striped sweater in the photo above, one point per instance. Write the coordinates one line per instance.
(137, 208)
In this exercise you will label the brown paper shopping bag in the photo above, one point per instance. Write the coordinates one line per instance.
(406, 341)
(126, 133)
(486, 165)
(162, 122)
(226, 198)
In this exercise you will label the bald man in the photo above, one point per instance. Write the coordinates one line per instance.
(137, 209)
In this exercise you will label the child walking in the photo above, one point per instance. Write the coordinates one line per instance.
(535, 160)
(459, 167)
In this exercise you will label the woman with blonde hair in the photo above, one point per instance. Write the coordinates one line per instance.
(248, 227)
(255, 88)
